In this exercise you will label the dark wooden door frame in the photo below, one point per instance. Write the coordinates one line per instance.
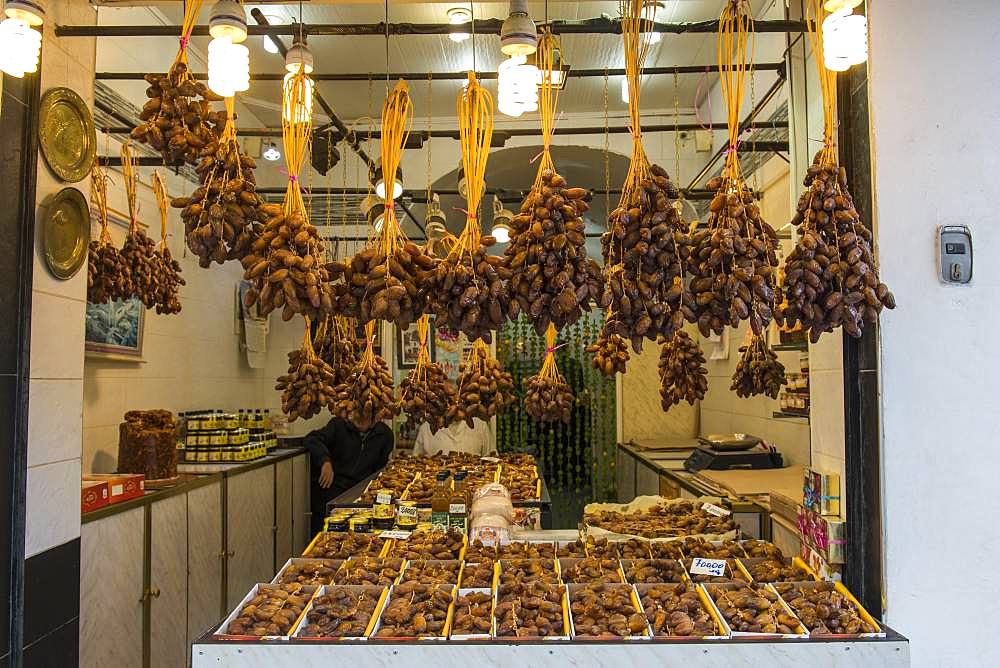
(862, 433)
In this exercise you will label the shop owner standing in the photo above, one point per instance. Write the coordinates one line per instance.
(342, 456)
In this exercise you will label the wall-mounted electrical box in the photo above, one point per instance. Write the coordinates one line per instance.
(955, 252)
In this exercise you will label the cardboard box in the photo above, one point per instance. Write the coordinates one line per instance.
(821, 492)
(720, 628)
(798, 632)
(222, 633)
(121, 486)
(380, 594)
(93, 495)
(826, 535)
(474, 636)
(633, 596)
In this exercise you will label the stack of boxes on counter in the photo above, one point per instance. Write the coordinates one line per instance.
(821, 526)
(211, 436)
(436, 584)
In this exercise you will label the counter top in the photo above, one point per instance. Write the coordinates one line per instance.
(189, 480)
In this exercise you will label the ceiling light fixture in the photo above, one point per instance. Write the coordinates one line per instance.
(378, 180)
(373, 209)
(501, 222)
(654, 12)
(298, 59)
(228, 60)
(459, 16)
(517, 87)
(845, 39)
(21, 42)
(517, 35)
(271, 153)
(434, 220)
(557, 76)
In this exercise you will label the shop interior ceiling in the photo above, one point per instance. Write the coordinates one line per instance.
(582, 101)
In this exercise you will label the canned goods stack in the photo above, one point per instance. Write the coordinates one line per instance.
(212, 436)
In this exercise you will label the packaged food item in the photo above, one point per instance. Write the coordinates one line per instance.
(146, 444)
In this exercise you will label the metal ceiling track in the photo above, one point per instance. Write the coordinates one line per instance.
(451, 76)
(596, 26)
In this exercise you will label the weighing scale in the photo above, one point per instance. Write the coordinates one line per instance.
(723, 452)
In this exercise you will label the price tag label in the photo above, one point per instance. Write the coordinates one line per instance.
(396, 535)
(383, 498)
(713, 567)
(492, 460)
(456, 508)
(408, 511)
(713, 509)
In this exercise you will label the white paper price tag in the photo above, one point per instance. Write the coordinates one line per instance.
(456, 508)
(713, 509)
(408, 511)
(713, 567)
(492, 460)
(397, 535)
(383, 499)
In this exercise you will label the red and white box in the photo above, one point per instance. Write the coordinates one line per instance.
(93, 495)
(121, 486)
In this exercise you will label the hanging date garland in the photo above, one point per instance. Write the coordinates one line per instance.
(646, 244)
(308, 385)
(168, 269)
(175, 122)
(758, 371)
(138, 253)
(426, 393)
(683, 374)
(388, 280)
(367, 396)
(552, 279)
(484, 388)
(335, 344)
(106, 271)
(549, 397)
(733, 260)
(831, 276)
(469, 293)
(285, 261)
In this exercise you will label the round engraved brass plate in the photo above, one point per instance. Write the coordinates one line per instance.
(66, 232)
(66, 133)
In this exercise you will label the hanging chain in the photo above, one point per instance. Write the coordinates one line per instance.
(607, 156)
(430, 96)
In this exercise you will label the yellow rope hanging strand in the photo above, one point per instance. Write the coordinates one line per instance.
(99, 188)
(368, 358)
(475, 129)
(131, 179)
(636, 49)
(307, 345)
(548, 96)
(828, 85)
(424, 356)
(162, 202)
(732, 51)
(296, 127)
(549, 368)
(191, 9)
(397, 118)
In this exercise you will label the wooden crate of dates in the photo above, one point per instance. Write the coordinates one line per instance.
(693, 546)
(268, 612)
(344, 545)
(473, 615)
(479, 575)
(645, 571)
(528, 570)
(308, 571)
(754, 610)
(778, 570)
(370, 571)
(761, 549)
(531, 611)
(652, 517)
(591, 569)
(828, 609)
(342, 612)
(602, 611)
(679, 611)
(432, 571)
(417, 611)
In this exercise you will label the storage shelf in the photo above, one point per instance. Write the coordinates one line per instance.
(787, 416)
(802, 346)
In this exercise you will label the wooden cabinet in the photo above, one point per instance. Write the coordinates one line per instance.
(283, 529)
(111, 589)
(301, 514)
(168, 582)
(249, 533)
(204, 559)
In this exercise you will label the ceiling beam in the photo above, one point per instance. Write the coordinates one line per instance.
(596, 26)
(449, 76)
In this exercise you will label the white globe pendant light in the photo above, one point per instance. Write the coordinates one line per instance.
(517, 90)
(228, 59)
(21, 43)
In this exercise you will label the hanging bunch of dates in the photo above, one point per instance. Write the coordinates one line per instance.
(284, 267)
(610, 351)
(484, 388)
(307, 387)
(734, 262)
(168, 270)
(224, 215)
(552, 279)
(645, 249)
(107, 275)
(426, 393)
(178, 120)
(831, 278)
(335, 344)
(683, 374)
(549, 398)
(758, 371)
(367, 396)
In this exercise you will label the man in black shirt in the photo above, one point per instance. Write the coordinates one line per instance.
(341, 457)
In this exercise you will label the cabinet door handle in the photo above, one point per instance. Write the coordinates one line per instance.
(274, 529)
(155, 592)
(232, 553)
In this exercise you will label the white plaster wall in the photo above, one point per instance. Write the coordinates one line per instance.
(934, 114)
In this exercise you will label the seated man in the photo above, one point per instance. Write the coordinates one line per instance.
(341, 457)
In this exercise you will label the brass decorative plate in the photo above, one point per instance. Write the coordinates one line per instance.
(66, 133)
(66, 232)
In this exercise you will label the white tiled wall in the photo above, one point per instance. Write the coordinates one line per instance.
(56, 371)
(639, 399)
(826, 389)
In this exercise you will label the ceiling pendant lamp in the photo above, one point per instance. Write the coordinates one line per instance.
(501, 222)
(21, 42)
(845, 39)
(459, 16)
(517, 90)
(228, 59)
(517, 35)
(297, 105)
(378, 180)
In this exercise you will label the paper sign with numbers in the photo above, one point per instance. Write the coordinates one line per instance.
(713, 567)
(713, 509)
(397, 535)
